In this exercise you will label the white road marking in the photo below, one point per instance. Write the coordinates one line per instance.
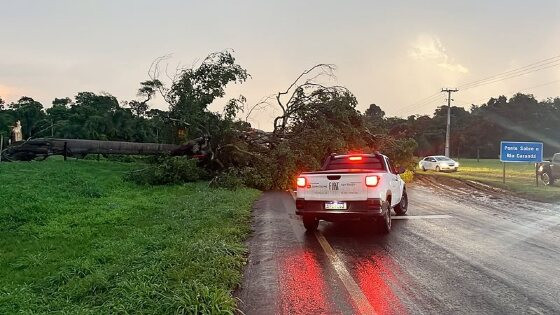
(359, 298)
(356, 294)
(417, 217)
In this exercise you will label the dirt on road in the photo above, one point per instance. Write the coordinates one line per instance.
(463, 248)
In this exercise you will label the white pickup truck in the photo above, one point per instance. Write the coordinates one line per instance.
(351, 187)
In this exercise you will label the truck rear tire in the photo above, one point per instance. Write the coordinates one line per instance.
(310, 223)
(402, 207)
(384, 223)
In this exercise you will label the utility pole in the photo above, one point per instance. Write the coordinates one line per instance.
(448, 133)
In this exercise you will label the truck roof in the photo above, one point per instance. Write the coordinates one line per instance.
(368, 162)
(338, 156)
(346, 171)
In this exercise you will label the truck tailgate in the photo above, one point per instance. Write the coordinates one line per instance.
(331, 187)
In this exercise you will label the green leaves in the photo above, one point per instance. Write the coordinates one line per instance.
(196, 88)
(168, 170)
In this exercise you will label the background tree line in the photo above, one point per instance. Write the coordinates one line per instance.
(315, 119)
(480, 129)
(88, 116)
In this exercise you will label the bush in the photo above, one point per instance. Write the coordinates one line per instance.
(257, 178)
(170, 170)
(400, 151)
(254, 177)
(229, 179)
(124, 158)
(408, 176)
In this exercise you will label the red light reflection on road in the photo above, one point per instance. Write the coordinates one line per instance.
(302, 285)
(374, 277)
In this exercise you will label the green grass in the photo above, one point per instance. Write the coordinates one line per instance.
(520, 178)
(75, 238)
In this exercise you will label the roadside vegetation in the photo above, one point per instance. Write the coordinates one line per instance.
(76, 238)
(520, 178)
(407, 176)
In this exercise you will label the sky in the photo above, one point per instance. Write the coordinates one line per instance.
(391, 53)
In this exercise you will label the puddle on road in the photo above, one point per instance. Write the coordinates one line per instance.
(302, 284)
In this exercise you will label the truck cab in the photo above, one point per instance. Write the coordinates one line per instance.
(550, 171)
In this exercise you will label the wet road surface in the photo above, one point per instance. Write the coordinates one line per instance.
(460, 250)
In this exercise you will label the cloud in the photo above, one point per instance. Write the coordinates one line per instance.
(429, 48)
(455, 67)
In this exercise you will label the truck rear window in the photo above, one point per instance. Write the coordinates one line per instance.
(366, 163)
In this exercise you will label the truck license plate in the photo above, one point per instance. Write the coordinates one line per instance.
(335, 205)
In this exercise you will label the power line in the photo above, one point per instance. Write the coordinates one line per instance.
(411, 110)
(533, 67)
(527, 67)
(427, 100)
(512, 76)
(431, 96)
(484, 98)
(513, 91)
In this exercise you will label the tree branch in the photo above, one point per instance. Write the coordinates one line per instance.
(295, 88)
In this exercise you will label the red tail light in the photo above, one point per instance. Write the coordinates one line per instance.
(301, 182)
(372, 181)
(355, 158)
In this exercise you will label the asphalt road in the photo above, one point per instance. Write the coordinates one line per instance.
(460, 250)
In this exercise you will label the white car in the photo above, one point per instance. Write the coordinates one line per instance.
(438, 163)
(352, 187)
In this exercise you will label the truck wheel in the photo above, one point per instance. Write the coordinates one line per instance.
(438, 169)
(547, 179)
(384, 222)
(423, 168)
(401, 208)
(310, 223)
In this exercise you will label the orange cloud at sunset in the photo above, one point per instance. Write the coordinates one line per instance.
(9, 93)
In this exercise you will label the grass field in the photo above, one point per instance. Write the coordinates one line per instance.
(520, 178)
(75, 238)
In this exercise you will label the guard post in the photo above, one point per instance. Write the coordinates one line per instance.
(537, 174)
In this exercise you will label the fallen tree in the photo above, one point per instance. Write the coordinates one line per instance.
(315, 119)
